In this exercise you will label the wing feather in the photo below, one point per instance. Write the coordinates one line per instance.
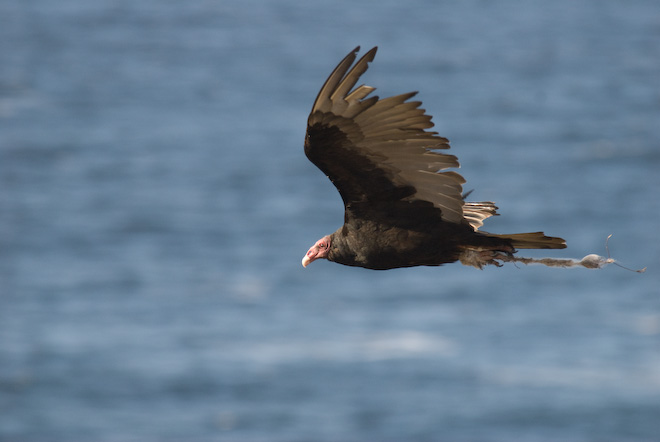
(323, 102)
(476, 213)
(379, 150)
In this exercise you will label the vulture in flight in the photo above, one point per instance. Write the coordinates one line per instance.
(402, 207)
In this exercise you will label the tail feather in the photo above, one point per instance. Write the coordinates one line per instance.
(533, 240)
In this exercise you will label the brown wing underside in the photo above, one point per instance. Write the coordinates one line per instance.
(379, 153)
(368, 191)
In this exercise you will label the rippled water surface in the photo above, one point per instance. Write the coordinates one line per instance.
(155, 203)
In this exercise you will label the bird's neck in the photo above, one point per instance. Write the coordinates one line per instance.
(341, 250)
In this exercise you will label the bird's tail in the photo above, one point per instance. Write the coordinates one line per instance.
(533, 240)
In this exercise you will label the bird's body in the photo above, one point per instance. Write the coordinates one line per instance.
(402, 208)
(377, 246)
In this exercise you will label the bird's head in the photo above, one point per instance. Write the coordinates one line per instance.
(318, 250)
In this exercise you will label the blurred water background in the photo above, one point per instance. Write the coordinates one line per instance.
(155, 203)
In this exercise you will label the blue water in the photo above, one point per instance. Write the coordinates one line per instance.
(155, 203)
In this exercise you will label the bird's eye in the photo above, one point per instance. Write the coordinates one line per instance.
(322, 245)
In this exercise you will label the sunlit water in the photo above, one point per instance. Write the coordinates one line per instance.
(155, 203)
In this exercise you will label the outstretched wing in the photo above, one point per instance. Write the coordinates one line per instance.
(378, 152)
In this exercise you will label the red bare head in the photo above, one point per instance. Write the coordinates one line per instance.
(318, 250)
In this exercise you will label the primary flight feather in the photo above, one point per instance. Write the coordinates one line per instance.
(402, 207)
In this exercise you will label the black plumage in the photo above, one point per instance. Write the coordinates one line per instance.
(402, 207)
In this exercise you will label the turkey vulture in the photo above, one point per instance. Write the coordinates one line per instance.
(402, 208)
